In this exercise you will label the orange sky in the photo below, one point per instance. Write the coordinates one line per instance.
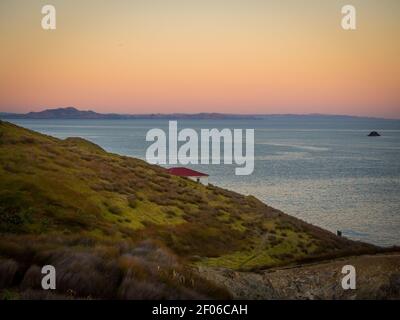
(248, 56)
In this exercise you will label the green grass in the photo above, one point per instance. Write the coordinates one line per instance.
(74, 188)
(281, 247)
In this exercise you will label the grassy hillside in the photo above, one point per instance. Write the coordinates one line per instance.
(71, 204)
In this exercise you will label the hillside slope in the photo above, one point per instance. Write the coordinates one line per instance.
(130, 224)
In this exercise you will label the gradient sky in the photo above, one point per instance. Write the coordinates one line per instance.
(249, 56)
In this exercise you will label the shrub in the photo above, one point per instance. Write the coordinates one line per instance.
(10, 167)
(115, 209)
(8, 270)
(134, 289)
(170, 213)
(132, 201)
(30, 294)
(27, 140)
(86, 274)
(32, 278)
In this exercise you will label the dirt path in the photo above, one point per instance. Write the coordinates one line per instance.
(377, 277)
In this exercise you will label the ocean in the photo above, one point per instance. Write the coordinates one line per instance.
(324, 170)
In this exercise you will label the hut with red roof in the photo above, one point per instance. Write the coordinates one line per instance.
(189, 173)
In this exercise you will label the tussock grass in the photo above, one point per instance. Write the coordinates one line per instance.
(70, 203)
(8, 270)
(89, 269)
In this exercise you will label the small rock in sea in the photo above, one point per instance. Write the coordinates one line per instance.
(374, 134)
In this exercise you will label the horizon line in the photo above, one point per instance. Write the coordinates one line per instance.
(205, 113)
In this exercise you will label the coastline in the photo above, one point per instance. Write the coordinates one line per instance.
(134, 216)
(325, 172)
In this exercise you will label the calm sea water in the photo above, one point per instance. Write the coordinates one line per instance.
(324, 171)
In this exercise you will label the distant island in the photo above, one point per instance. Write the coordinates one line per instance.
(73, 113)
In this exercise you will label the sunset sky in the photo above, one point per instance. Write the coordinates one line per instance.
(248, 56)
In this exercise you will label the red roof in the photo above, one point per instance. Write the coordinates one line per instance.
(185, 172)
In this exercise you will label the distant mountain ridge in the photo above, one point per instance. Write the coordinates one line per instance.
(73, 113)
(59, 113)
